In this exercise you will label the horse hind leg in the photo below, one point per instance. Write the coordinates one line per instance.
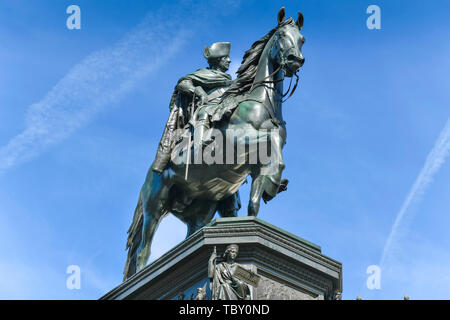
(198, 214)
(229, 206)
(150, 225)
(154, 204)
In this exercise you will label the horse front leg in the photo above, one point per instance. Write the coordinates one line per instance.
(267, 178)
(256, 192)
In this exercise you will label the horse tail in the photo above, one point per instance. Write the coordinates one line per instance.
(134, 239)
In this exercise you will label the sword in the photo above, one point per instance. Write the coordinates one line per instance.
(188, 157)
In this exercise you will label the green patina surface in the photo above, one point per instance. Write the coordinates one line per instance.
(195, 192)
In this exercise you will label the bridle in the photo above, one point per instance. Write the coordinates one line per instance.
(264, 81)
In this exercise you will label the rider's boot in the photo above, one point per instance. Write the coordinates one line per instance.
(202, 137)
(199, 131)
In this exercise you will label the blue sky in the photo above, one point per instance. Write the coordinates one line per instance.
(82, 111)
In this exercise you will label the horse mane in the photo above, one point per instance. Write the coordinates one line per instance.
(247, 71)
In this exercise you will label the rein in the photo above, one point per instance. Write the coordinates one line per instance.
(293, 89)
(270, 81)
(263, 81)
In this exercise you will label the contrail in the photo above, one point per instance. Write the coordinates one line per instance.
(97, 82)
(435, 160)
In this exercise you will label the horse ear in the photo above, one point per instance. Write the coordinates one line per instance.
(299, 21)
(281, 15)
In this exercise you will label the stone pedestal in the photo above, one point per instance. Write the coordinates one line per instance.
(290, 268)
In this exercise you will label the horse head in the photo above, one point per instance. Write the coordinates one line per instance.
(286, 50)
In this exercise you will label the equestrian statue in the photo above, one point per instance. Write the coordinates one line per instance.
(218, 133)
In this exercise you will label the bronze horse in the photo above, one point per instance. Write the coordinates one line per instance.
(257, 112)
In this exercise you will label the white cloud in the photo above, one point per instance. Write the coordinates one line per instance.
(94, 84)
(433, 163)
(421, 270)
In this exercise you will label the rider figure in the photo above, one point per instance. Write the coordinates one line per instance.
(212, 80)
(205, 85)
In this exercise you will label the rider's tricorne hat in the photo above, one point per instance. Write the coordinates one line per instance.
(217, 50)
